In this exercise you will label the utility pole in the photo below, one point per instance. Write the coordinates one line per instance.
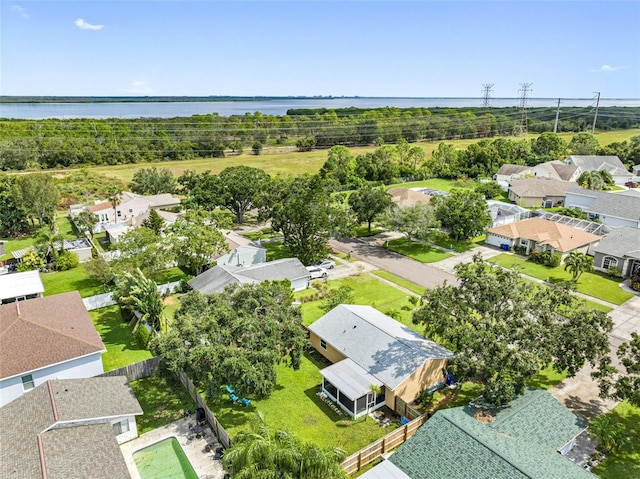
(525, 88)
(595, 117)
(555, 125)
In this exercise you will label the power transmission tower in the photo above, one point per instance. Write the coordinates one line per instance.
(486, 99)
(525, 88)
(595, 117)
(486, 95)
(555, 125)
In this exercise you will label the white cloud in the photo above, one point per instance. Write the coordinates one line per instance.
(606, 69)
(82, 25)
(139, 87)
(20, 11)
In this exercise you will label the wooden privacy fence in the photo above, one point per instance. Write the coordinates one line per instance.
(136, 371)
(402, 408)
(373, 451)
(217, 428)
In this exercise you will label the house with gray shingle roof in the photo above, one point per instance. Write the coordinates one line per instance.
(612, 164)
(612, 209)
(214, 280)
(527, 439)
(46, 338)
(542, 192)
(619, 249)
(368, 348)
(69, 429)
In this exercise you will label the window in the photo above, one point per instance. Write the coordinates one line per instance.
(323, 344)
(130, 210)
(121, 427)
(27, 382)
(524, 242)
(609, 262)
(119, 213)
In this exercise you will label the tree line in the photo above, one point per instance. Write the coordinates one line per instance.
(54, 143)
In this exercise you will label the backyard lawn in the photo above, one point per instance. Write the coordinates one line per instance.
(624, 463)
(418, 251)
(163, 399)
(71, 280)
(295, 406)
(117, 336)
(591, 284)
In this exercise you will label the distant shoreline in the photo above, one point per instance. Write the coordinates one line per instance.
(185, 99)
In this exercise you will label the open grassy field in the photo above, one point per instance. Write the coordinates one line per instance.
(624, 463)
(296, 163)
(591, 284)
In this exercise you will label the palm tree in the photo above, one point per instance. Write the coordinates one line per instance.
(137, 293)
(45, 241)
(260, 453)
(114, 192)
(375, 389)
(88, 220)
(610, 432)
(577, 263)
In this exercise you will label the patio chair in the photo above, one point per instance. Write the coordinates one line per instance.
(230, 390)
(245, 402)
(234, 398)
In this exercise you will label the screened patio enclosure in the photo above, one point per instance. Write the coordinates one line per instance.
(349, 385)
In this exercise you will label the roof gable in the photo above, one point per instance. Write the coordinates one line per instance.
(43, 331)
(610, 204)
(540, 187)
(598, 162)
(620, 242)
(380, 345)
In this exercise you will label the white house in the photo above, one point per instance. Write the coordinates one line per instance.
(612, 209)
(69, 429)
(45, 338)
(612, 164)
(20, 286)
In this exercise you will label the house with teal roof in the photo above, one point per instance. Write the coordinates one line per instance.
(527, 439)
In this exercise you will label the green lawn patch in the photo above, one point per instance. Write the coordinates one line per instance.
(163, 399)
(591, 284)
(437, 184)
(399, 281)
(276, 250)
(445, 241)
(362, 231)
(264, 233)
(457, 397)
(547, 378)
(75, 279)
(295, 406)
(367, 291)
(418, 251)
(117, 336)
(624, 463)
(169, 275)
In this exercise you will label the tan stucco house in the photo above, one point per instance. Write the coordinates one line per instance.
(541, 235)
(369, 348)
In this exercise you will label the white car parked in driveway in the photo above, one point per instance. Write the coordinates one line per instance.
(317, 272)
(327, 264)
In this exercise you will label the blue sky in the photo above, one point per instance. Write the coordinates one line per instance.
(383, 48)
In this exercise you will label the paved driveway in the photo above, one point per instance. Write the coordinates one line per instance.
(421, 274)
(626, 319)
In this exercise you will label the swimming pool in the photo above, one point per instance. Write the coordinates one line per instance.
(162, 460)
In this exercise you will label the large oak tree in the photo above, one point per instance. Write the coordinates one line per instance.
(504, 329)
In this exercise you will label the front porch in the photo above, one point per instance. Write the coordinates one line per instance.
(350, 386)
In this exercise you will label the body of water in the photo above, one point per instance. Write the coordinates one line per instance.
(38, 111)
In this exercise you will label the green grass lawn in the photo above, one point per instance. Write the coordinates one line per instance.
(547, 378)
(399, 281)
(591, 284)
(367, 291)
(117, 336)
(418, 251)
(437, 184)
(295, 406)
(71, 280)
(445, 241)
(163, 399)
(362, 231)
(169, 275)
(625, 463)
(14, 244)
(276, 250)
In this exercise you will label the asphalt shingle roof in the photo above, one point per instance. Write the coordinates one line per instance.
(598, 162)
(31, 427)
(39, 332)
(540, 187)
(608, 204)
(214, 280)
(380, 345)
(521, 443)
(620, 242)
